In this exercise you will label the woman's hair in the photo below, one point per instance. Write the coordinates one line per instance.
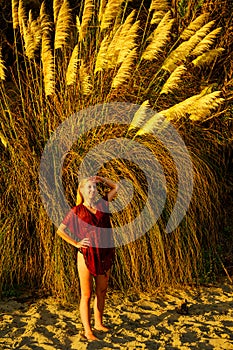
(79, 198)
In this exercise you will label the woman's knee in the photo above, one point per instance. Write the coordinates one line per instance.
(101, 292)
(86, 296)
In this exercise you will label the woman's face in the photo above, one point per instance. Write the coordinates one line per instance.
(89, 190)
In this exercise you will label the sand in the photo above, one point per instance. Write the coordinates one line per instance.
(137, 321)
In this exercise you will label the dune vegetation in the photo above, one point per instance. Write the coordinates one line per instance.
(171, 57)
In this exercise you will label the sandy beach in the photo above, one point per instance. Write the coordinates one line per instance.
(137, 321)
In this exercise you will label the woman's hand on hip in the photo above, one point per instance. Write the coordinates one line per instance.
(84, 243)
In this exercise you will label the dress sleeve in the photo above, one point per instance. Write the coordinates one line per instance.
(71, 222)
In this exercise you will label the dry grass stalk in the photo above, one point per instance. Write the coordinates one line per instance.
(122, 41)
(56, 8)
(101, 9)
(85, 79)
(72, 68)
(159, 5)
(45, 23)
(153, 125)
(140, 116)
(174, 80)
(125, 71)
(194, 26)
(31, 36)
(179, 110)
(201, 108)
(159, 38)
(86, 17)
(157, 17)
(180, 54)
(206, 42)
(15, 18)
(2, 67)
(62, 25)
(110, 13)
(208, 57)
(160, 8)
(48, 65)
(126, 42)
(21, 16)
(101, 59)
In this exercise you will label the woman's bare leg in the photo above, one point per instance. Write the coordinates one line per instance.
(101, 289)
(85, 279)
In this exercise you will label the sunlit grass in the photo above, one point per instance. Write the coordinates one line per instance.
(100, 57)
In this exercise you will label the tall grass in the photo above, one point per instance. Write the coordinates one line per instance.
(165, 57)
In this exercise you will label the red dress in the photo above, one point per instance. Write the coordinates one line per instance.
(82, 223)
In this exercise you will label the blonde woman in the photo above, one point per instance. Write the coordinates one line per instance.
(90, 222)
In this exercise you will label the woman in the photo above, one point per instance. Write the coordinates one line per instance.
(89, 221)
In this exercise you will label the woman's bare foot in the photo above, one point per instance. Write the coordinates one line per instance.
(90, 336)
(101, 328)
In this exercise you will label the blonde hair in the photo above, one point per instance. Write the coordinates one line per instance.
(79, 197)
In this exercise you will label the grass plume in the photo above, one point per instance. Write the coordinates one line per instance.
(62, 25)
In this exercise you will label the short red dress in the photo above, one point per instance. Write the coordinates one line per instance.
(82, 223)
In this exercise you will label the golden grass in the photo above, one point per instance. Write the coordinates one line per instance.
(117, 55)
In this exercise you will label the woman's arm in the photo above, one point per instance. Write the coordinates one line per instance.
(113, 186)
(62, 233)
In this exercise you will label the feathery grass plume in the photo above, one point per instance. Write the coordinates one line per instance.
(208, 57)
(15, 18)
(160, 8)
(125, 71)
(179, 110)
(62, 30)
(21, 16)
(127, 41)
(110, 13)
(194, 26)
(157, 17)
(48, 66)
(205, 43)
(86, 17)
(56, 8)
(101, 59)
(2, 67)
(180, 54)
(72, 68)
(158, 39)
(101, 9)
(31, 36)
(174, 79)
(122, 40)
(140, 116)
(78, 24)
(85, 79)
(159, 5)
(45, 23)
(201, 108)
(156, 123)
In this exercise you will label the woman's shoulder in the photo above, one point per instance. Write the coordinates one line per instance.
(76, 209)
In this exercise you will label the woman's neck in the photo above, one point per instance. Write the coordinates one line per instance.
(89, 203)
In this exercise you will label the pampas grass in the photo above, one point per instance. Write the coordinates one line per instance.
(72, 68)
(181, 53)
(113, 53)
(62, 25)
(125, 70)
(159, 38)
(86, 17)
(174, 80)
(208, 57)
(110, 13)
